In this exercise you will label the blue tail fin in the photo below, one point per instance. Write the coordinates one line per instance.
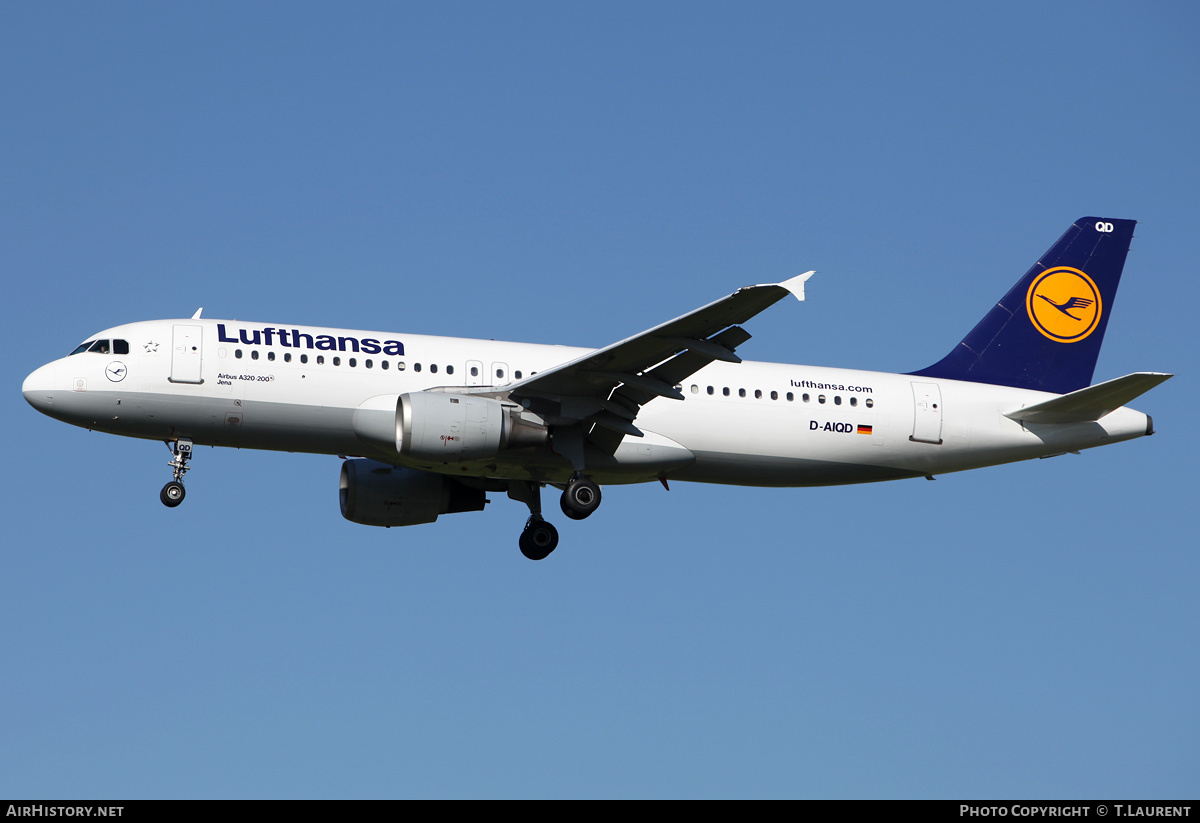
(1045, 334)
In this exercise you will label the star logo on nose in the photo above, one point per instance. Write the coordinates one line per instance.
(151, 347)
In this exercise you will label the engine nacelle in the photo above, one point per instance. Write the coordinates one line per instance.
(450, 428)
(444, 428)
(376, 494)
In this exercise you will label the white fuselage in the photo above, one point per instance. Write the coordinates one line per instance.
(293, 388)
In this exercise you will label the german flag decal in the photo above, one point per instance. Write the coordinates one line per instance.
(863, 429)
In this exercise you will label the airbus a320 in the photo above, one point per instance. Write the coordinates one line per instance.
(435, 424)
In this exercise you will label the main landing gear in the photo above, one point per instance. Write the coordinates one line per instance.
(172, 494)
(580, 498)
(539, 538)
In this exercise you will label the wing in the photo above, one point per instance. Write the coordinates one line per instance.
(604, 390)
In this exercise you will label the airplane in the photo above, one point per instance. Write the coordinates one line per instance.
(428, 425)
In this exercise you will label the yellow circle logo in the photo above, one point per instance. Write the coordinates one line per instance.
(1064, 304)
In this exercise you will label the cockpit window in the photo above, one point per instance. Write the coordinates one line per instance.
(103, 347)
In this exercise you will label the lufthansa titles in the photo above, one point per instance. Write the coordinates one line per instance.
(296, 339)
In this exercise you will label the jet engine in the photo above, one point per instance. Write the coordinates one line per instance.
(376, 494)
(445, 428)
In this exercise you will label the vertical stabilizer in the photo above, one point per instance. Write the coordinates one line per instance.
(1045, 334)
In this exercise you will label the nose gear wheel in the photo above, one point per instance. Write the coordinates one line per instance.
(173, 493)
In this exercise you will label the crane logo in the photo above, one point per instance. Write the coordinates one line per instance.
(1064, 304)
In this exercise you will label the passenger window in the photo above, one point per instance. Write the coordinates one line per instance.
(400, 365)
(774, 395)
(837, 400)
(287, 357)
(821, 398)
(804, 397)
(870, 403)
(474, 371)
(790, 397)
(710, 389)
(695, 389)
(368, 364)
(416, 366)
(237, 353)
(254, 354)
(450, 370)
(304, 358)
(725, 391)
(433, 368)
(271, 355)
(758, 394)
(337, 361)
(383, 364)
(741, 392)
(353, 362)
(853, 401)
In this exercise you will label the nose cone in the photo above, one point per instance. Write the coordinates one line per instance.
(40, 387)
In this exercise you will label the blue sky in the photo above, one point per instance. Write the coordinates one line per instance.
(574, 173)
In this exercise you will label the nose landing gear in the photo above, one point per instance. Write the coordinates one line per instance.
(172, 494)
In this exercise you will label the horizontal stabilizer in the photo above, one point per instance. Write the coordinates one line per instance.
(1091, 403)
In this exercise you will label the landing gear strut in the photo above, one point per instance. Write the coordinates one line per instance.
(172, 493)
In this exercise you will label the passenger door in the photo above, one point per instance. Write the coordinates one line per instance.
(927, 413)
(186, 353)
